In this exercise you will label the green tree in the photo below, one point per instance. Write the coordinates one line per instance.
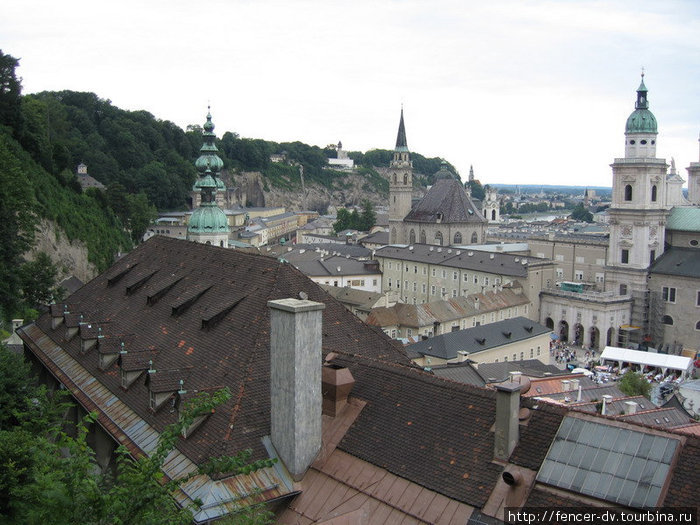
(477, 190)
(580, 213)
(10, 92)
(38, 281)
(634, 384)
(141, 214)
(343, 221)
(367, 218)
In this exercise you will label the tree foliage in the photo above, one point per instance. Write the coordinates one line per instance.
(346, 220)
(580, 213)
(49, 476)
(634, 384)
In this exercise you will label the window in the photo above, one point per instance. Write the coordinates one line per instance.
(425, 271)
(579, 275)
(454, 276)
(623, 289)
(538, 350)
(579, 260)
(560, 273)
(432, 290)
(412, 237)
(409, 332)
(415, 286)
(475, 238)
(515, 357)
(625, 256)
(667, 319)
(390, 265)
(628, 192)
(486, 281)
(697, 325)
(433, 272)
(465, 277)
(389, 282)
(444, 274)
(374, 282)
(424, 287)
(559, 257)
(522, 355)
(653, 193)
(438, 238)
(442, 292)
(422, 237)
(668, 294)
(454, 293)
(405, 285)
(458, 238)
(697, 299)
(476, 279)
(505, 358)
(415, 269)
(652, 256)
(600, 277)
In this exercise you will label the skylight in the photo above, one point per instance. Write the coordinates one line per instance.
(616, 464)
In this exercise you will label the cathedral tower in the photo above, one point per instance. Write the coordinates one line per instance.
(694, 182)
(400, 186)
(639, 209)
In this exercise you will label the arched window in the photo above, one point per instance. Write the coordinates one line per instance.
(394, 178)
(493, 215)
(628, 192)
(405, 178)
(412, 237)
(697, 325)
(458, 238)
(667, 319)
(653, 193)
(422, 238)
(475, 238)
(438, 238)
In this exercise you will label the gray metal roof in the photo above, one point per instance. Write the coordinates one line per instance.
(446, 202)
(681, 262)
(479, 338)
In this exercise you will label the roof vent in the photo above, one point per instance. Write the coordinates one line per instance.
(481, 340)
(439, 250)
(517, 259)
(449, 250)
(470, 254)
(492, 256)
(410, 248)
(507, 335)
(458, 252)
(337, 268)
(524, 261)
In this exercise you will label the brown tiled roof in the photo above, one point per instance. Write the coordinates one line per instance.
(683, 489)
(204, 309)
(537, 435)
(434, 432)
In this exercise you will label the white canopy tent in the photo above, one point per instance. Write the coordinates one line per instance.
(638, 357)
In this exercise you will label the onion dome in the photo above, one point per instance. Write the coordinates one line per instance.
(208, 153)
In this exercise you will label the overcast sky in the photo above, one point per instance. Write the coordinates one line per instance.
(528, 92)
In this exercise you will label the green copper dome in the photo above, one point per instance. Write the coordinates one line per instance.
(208, 153)
(641, 120)
(208, 219)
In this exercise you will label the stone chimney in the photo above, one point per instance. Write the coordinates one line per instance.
(507, 412)
(295, 382)
(607, 399)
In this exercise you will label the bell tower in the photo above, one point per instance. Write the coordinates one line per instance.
(639, 209)
(400, 186)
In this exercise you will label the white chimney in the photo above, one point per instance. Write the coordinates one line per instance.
(565, 385)
(515, 376)
(462, 356)
(630, 407)
(606, 400)
(295, 382)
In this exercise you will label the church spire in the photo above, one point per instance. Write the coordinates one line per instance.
(401, 144)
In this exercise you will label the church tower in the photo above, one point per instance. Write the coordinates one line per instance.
(208, 223)
(400, 186)
(491, 208)
(639, 210)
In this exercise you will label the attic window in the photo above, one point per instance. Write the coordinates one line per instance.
(113, 279)
(210, 321)
(481, 340)
(188, 300)
(156, 295)
(138, 282)
(507, 335)
(529, 329)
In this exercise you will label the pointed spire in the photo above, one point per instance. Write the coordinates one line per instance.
(401, 144)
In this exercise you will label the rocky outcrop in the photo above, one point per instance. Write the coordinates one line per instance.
(71, 258)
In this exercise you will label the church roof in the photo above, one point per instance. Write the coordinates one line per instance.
(446, 202)
(684, 218)
(681, 262)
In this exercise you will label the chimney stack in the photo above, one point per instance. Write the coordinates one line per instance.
(507, 412)
(606, 400)
(295, 381)
(630, 407)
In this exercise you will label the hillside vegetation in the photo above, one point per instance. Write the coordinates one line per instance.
(146, 164)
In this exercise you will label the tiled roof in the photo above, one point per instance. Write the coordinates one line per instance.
(474, 260)
(684, 218)
(446, 202)
(528, 367)
(205, 310)
(434, 432)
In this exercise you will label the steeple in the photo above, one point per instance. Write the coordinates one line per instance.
(401, 144)
(641, 127)
(208, 223)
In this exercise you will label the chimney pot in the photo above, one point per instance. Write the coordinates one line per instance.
(336, 383)
(507, 412)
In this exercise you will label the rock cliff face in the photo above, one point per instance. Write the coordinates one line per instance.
(251, 189)
(71, 258)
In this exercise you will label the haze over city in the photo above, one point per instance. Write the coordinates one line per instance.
(527, 92)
